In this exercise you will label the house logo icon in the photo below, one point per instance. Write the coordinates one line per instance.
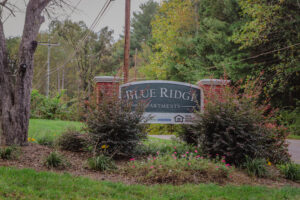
(179, 118)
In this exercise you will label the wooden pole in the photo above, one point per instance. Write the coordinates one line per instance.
(135, 70)
(127, 41)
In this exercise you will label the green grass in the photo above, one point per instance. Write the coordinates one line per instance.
(28, 184)
(294, 137)
(39, 128)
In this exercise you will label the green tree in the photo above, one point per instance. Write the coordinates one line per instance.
(141, 24)
(271, 33)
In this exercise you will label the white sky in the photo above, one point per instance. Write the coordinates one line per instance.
(87, 12)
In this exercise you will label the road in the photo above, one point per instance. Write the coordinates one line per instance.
(294, 146)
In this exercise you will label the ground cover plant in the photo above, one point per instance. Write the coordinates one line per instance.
(8, 153)
(291, 171)
(153, 145)
(28, 184)
(55, 160)
(101, 163)
(178, 168)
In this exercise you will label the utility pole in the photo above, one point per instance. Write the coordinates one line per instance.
(48, 63)
(127, 41)
(135, 70)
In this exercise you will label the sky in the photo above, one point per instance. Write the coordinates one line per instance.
(86, 11)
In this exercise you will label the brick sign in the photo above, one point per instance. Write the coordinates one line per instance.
(167, 102)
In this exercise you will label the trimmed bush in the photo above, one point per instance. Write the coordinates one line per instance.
(114, 128)
(72, 140)
(235, 127)
(101, 163)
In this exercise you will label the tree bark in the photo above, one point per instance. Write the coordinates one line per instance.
(16, 90)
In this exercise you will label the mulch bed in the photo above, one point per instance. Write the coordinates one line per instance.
(33, 156)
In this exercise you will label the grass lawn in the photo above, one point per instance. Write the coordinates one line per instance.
(294, 137)
(40, 127)
(28, 184)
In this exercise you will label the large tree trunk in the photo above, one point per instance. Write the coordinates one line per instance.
(16, 91)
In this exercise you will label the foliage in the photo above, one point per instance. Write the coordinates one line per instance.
(291, 171)
(291, 119)
(175, 168)
(236, 127)
(256, 167)
(46, 140)
(141, 24)
(270, 33)
(46, 108)
(8, 153)
(49, 185)
(55, 160)
(172, 28)
(101, 163)
(114, 128)
(164, 147)
(72, 140)
(189, 136)
(163, 129)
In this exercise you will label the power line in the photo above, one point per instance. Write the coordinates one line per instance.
(266, 53)
(89, 31)
(85, 37)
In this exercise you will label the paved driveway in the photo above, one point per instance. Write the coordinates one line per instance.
(294, 146)
(294, 150)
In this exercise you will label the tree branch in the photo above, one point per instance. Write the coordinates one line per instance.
(3, 4)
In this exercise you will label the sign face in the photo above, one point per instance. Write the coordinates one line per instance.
(167, 102)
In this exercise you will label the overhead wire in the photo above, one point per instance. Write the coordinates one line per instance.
(40, 82)
(85, 37)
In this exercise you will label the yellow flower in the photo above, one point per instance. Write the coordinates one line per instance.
(31, 139)
(104, 146)
(269, 163)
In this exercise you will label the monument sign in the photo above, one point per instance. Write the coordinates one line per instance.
(167, 102)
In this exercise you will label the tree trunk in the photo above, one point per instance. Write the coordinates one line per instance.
(16, 91)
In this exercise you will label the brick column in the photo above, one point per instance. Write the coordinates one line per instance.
(212, 87)
(107, 86)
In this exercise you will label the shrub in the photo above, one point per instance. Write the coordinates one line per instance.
(187, 134)
(256, 167)
(46, 140)
(291, 119)
(291, 171)
(8, 153)
(46, 108)
(101, 163)
(235, 126)
(55, 160)
(114, 128)
(72, 140)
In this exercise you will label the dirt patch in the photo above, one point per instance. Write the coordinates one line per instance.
(33, 156)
